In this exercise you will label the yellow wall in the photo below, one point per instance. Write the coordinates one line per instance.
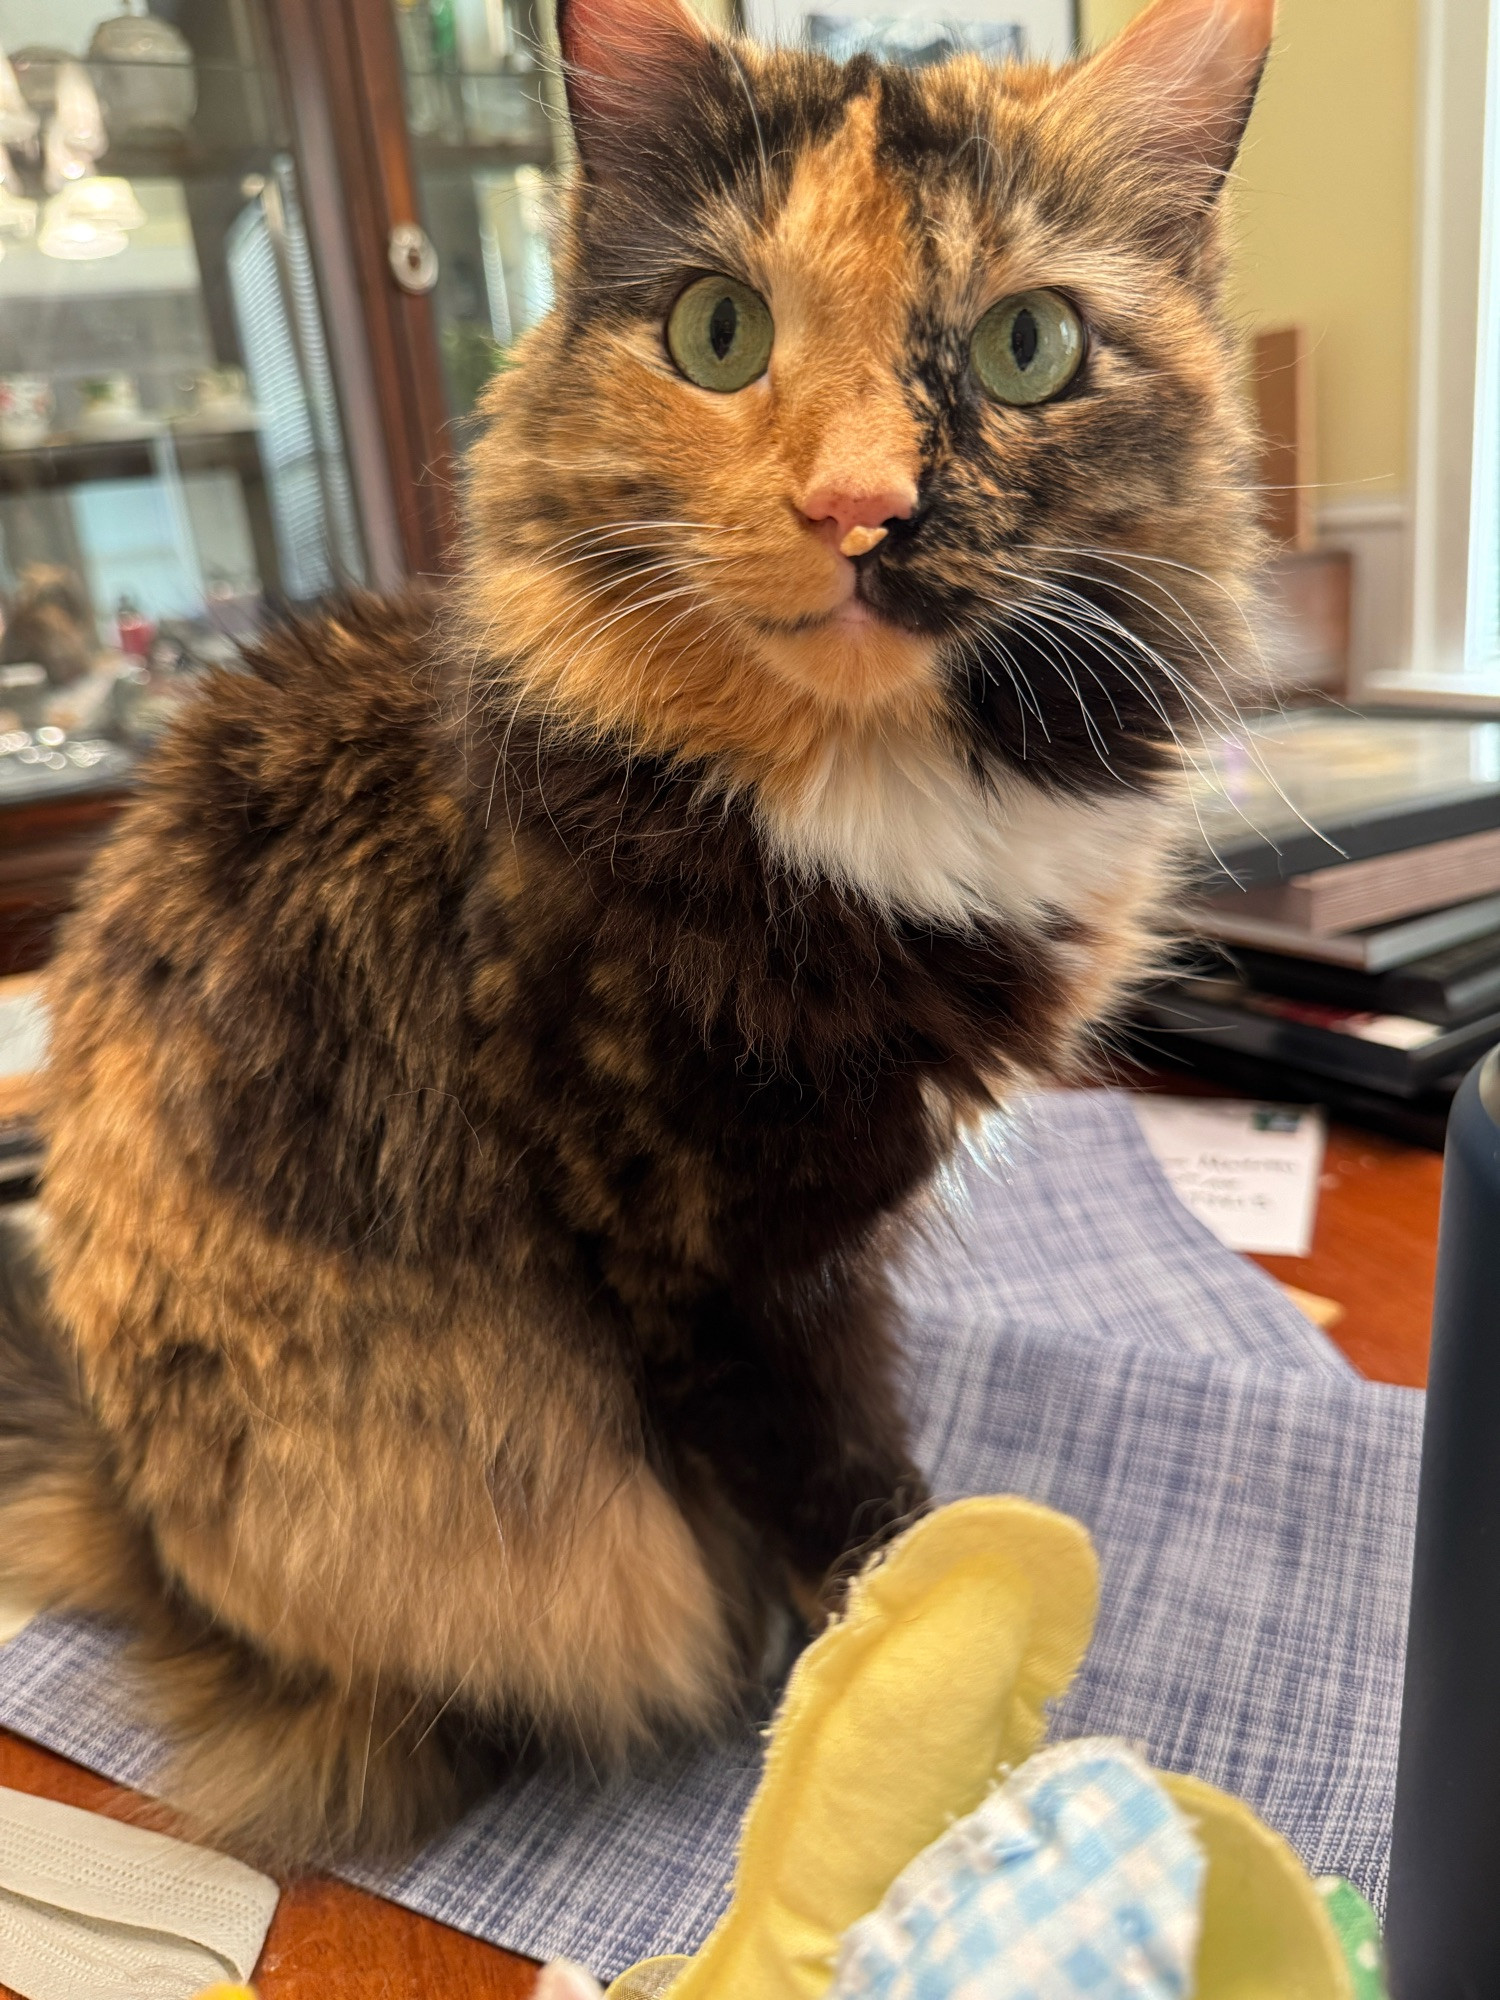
(1323, 219)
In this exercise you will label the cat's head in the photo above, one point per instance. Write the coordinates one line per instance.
(880, 400)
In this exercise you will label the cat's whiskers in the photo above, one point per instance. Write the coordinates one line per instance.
(1029, 620)
(536, 639)
(558, 672)
(1128, 559)
(639, 666)
(733, 567)
(515, 595)
(1126, 564)
(1037, 611)
(1151, 694)
(1025, 693)
(597, 531)
(633, 604)
(1234, 722)
(1101, 619)
(546, 560)
(1106, 637)
(1046, 628)
(1102, 638)
(589, 637)
(1103, 630)
(1121, 641)
(1128, 649)
(1195, 640)
(1023, 690)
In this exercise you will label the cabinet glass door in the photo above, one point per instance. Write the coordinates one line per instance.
(482, 105)
(170, 453)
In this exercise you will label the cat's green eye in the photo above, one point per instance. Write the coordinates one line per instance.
(1027, 349)
(719, 333)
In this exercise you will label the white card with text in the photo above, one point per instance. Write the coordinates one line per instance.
(1250, 1171)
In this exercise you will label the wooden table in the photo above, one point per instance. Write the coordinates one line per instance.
(1374, 1252)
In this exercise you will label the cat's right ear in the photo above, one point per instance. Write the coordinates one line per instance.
(1174, 91)
(624, 63)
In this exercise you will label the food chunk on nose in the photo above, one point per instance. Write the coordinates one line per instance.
(860, 541)
(854, 518)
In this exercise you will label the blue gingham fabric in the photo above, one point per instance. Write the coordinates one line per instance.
(1252, 1500)
(1077, 1879)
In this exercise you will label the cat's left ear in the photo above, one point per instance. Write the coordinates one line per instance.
(624, 63)
(1175, 89)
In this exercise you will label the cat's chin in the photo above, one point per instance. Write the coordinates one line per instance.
(854, 661)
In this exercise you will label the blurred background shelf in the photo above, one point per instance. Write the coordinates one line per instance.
(64, 461)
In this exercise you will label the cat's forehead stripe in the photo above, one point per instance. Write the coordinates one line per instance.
(838, 267)
(838, 250)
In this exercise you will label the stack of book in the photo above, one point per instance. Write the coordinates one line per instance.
(1346, 931)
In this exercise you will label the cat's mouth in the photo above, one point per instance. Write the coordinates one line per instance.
(864, 609)
(855, 656)
(853, 615)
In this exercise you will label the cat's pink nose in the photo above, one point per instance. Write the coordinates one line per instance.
(834, 510)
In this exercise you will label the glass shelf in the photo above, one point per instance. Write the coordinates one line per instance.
(64, 459)
(467, 155)
(31, 773)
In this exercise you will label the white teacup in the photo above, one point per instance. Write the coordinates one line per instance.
(110, 400)
(25, 411)
(216, 391)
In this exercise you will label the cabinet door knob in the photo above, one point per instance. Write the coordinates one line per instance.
(413, 260)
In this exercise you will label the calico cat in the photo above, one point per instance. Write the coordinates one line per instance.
(495, 1057)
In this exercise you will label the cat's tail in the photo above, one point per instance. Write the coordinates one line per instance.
(288, 1769)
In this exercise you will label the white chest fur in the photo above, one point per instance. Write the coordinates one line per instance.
(907, 826)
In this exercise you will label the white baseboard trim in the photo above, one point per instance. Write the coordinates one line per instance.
(1377, 533)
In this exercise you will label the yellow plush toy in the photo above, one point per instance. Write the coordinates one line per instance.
(903, 1762)
(914, 1839)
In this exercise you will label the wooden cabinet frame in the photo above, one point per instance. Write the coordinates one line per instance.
(341, 77)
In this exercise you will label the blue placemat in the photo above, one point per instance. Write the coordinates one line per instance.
(1252, 1500)
(1059, 1219)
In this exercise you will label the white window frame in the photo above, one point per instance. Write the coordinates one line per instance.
(1452, 651)
(1482, 630)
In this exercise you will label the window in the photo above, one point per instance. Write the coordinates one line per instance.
(1482, 623)
(1453, 656)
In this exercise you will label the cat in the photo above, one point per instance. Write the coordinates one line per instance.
(496, 1059)
(50, 622)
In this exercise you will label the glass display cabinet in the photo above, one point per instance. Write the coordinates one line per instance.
(170, 449)
(257, 260)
